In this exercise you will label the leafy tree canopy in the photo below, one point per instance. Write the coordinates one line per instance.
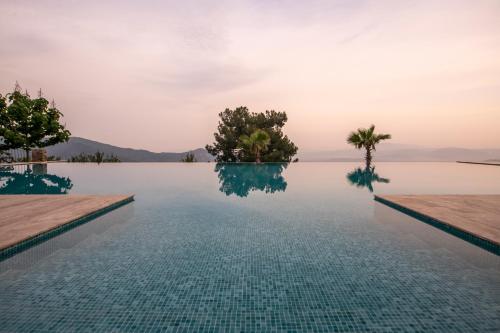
(29, 123)
(97, 157)
(235, 123)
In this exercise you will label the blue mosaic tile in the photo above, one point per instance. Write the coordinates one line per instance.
(320, 256)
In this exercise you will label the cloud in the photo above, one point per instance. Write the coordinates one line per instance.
(171, 66)
(24, 44)
(364, 30)
(208, 78)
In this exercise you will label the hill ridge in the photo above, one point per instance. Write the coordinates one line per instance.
(78, 145)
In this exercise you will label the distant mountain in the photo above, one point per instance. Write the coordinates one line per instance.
(77, 145)
(388, 152)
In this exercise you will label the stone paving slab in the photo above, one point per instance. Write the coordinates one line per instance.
(23, 217)
(477, 215)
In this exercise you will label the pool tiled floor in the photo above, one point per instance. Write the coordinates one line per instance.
(208, 249)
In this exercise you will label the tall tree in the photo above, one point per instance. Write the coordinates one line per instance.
(255, 144)
(28, 123)
(235, 123)
(366, 138)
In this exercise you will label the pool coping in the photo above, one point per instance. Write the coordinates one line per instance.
(469, 236)
(480, 163)
(44, 235)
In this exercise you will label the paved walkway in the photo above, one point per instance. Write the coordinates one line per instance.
(477, 215)
(25, 216)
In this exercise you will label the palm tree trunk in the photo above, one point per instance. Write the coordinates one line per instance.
(27, 155)
(368, 157)
(257, 156)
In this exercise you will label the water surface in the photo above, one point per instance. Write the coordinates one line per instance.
(302, 247)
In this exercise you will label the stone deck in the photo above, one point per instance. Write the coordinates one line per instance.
(24, 217)
(476, 215)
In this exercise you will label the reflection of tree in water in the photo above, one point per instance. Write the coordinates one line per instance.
(241, 179)
(365, 177)
(30, 182)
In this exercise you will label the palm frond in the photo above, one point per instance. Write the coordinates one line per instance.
(355, 139)
(244, 141)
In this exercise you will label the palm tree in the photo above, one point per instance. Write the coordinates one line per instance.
(256, 143)
(366, 138)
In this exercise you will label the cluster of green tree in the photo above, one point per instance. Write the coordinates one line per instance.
(97, 157)
(27, 123)
(189, 158)
(244, 136)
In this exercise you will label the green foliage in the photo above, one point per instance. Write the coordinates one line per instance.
(365, 177)
(189, 158)
(5, 157)
(235, 123)
(368, 139)
(241, 179)
(254, 144)
(28, 123)
(97, 157)
(30, 182)
(111, 159)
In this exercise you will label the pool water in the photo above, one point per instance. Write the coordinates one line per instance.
(269, 248)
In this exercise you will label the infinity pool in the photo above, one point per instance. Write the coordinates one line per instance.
(267, 248)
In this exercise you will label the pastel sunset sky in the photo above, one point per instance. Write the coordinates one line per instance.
(155, 74)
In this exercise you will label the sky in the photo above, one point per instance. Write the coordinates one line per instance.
(155, 74)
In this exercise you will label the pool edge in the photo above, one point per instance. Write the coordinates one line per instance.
(43, 236)
(465, 235)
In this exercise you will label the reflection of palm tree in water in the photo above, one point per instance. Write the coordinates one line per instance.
(29, 182)
(365, 177)
(241, 179)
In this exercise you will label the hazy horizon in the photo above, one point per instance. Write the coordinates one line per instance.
(383, 146)
(155, 74)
